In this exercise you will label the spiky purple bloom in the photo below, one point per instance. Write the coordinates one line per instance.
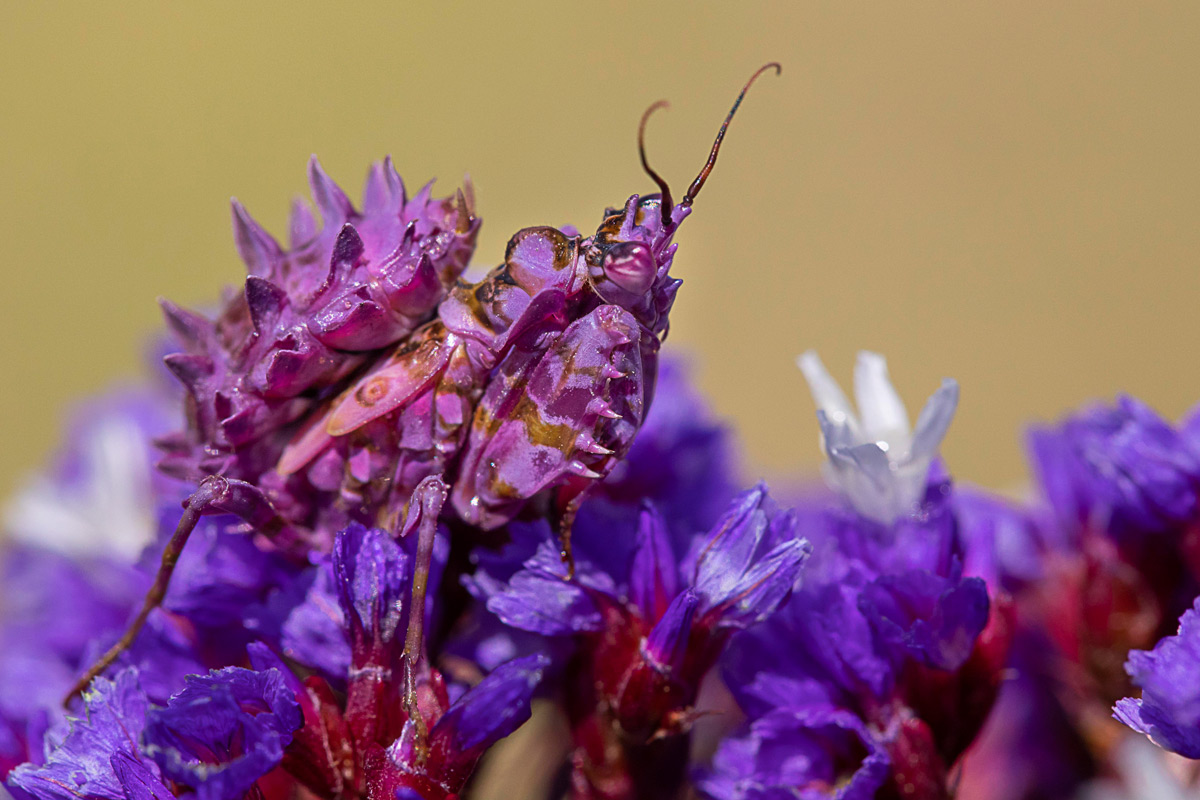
(310, 315)
(1169, 676)
(530, 384)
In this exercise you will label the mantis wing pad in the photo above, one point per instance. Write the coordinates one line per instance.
(562, 412)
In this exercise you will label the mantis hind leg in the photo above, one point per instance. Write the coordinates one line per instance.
(215, 495)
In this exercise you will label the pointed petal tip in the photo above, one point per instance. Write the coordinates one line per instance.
(810, 363)
(335, 206)
(871, 357)
(257, 248)
(241, 217)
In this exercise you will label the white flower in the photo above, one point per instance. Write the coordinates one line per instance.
(106, 509)
(876, 461)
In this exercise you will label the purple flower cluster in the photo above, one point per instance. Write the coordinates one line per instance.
(534, 517)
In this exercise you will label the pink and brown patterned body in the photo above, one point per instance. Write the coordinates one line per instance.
(536, 378)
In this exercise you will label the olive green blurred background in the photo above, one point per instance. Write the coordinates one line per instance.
(1005, 194)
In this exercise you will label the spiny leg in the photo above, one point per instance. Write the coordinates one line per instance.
(215, 495)
(423, 512)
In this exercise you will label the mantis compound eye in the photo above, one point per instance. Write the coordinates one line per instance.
(631, 267)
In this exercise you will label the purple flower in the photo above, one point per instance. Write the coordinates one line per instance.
(486, 713)
(223, 575)
(1124, 563)
(885, 630)
(313, 632)
(933, 619)
(79, 764)
(1002, 542)
(356, 600)
(164, 654)
(351, 626)
(808, 754)
(1169, 676)
(732, 577)
(1120, 468)
(747, 565)
(217, 737)
(223, 732)
(138, 780)
(647, 613)
(739, 572)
